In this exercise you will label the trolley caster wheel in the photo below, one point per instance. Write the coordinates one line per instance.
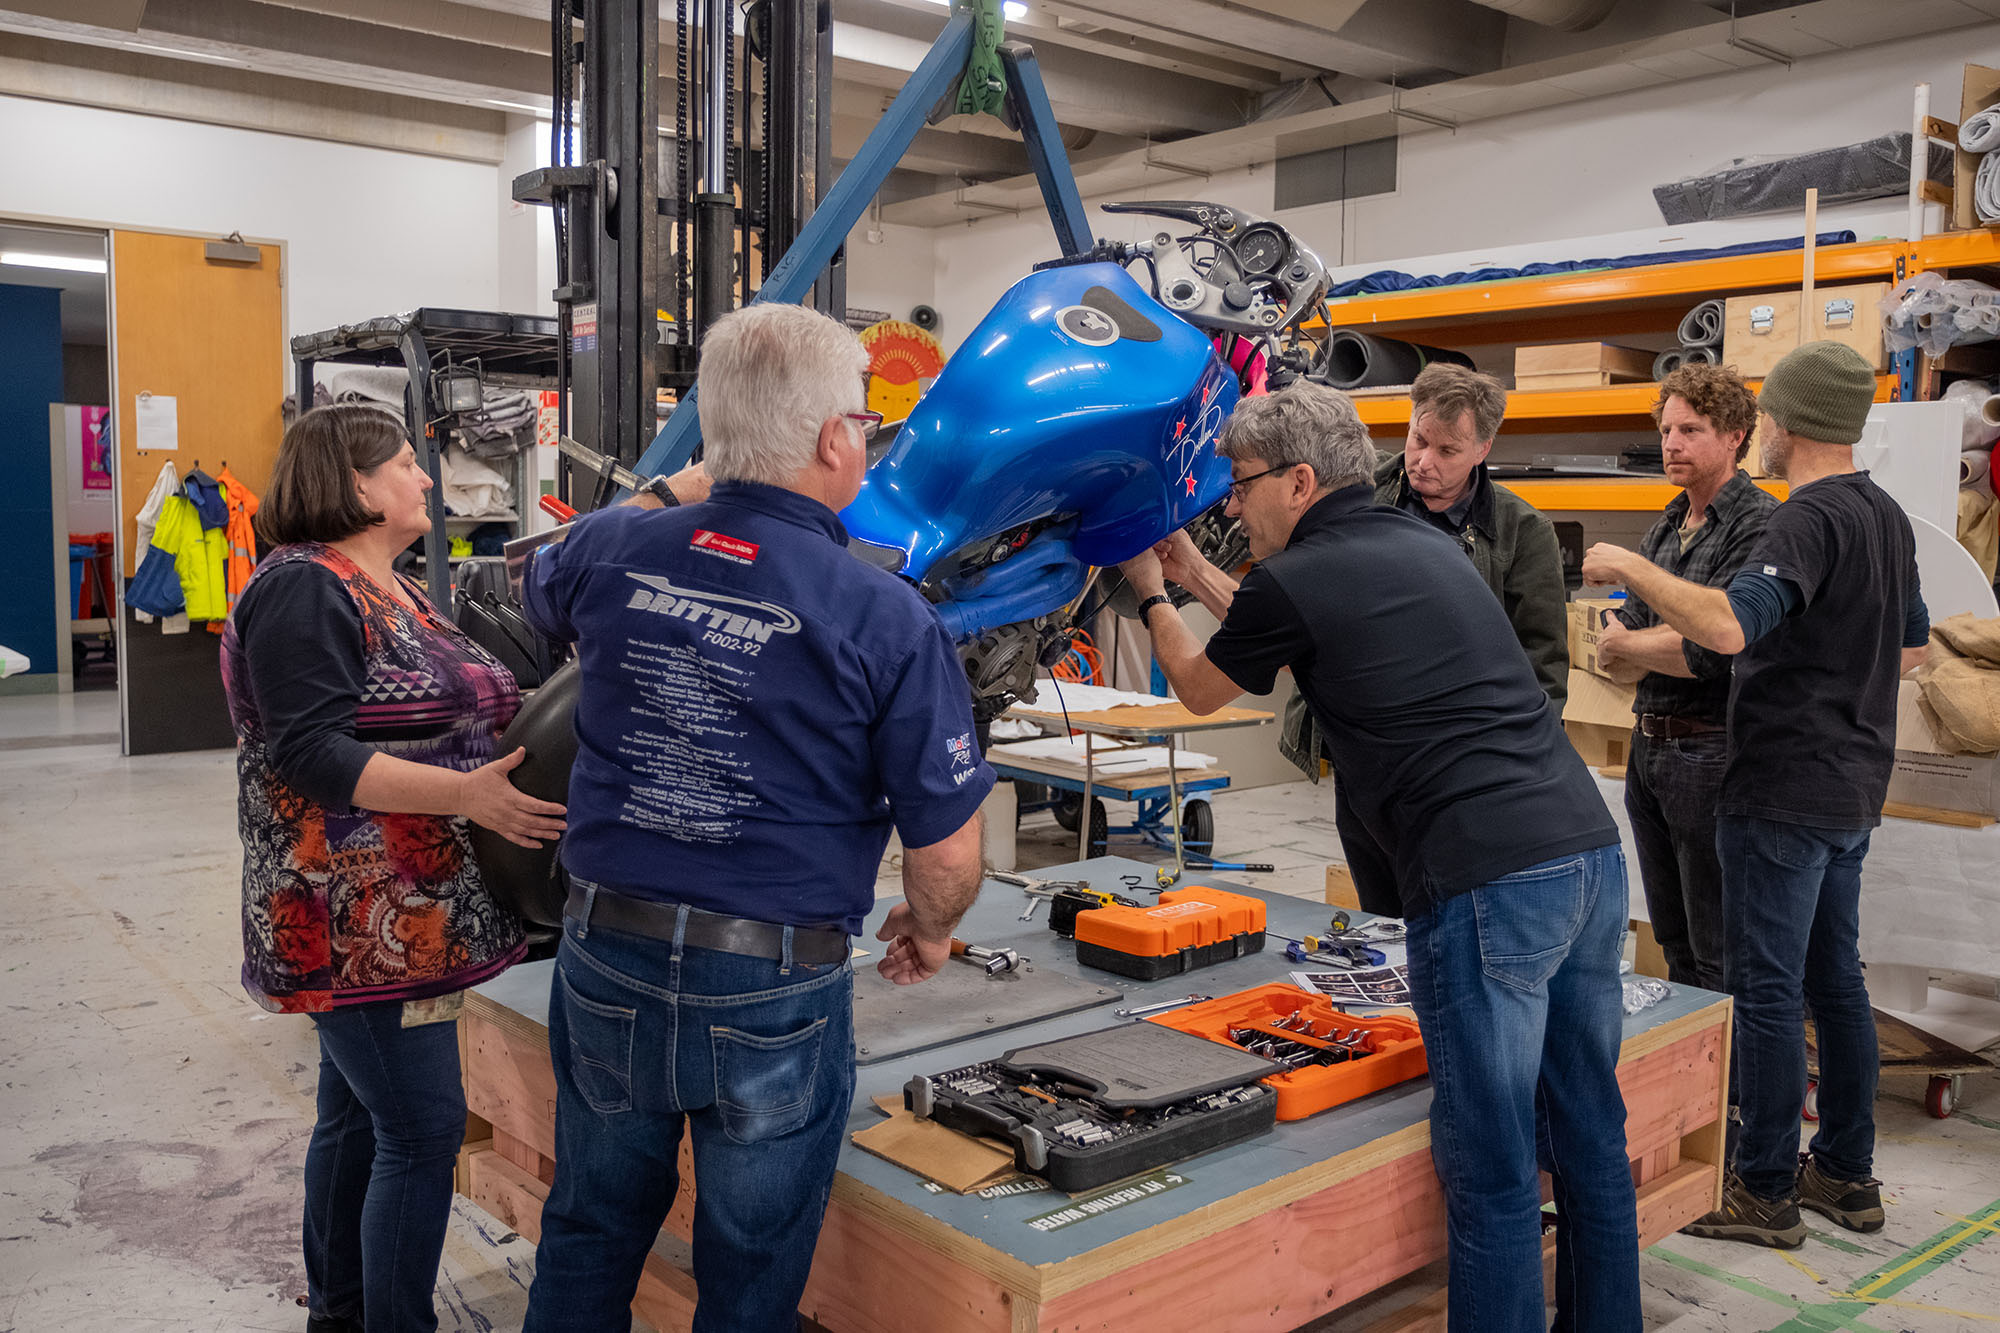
(1100, 829)
(1198, 828)
(1941, 1097)
(1810, 1112)
(1067, 804)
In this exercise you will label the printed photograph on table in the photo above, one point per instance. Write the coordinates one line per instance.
(1379, 985)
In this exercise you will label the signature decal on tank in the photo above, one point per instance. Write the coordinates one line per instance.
(711, 609)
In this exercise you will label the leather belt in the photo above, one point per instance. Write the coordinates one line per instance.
(1666, 726)
(597, 906)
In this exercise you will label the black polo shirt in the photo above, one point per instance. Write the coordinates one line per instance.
(1451, 764)
(1812, 720)
(1732, 525)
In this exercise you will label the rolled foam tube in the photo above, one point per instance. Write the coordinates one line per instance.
(1989, 411)
(1975, 471)
(1667, 362)
(1360, 360)
(1703, 325)
(1706, 356)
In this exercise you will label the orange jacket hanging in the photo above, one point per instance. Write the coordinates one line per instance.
(242, 556)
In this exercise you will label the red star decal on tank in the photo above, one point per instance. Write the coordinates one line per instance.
(1179, 427)
(1190, 483)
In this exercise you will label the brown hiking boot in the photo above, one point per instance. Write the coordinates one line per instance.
(1744, 1216)
(1855, 1204)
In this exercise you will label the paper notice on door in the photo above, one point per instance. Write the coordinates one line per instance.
(159, 422)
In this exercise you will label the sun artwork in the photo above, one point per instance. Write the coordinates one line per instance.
(902, 361)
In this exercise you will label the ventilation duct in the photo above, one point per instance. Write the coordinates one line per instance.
(1569, 15)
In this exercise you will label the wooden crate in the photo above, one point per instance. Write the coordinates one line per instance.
(1580, 366)
(1982, 90)
(1852, 315)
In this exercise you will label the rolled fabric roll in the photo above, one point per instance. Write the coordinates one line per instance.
(1972, 397)
(1703, 325)
(1706, 356)
(1977, 471)
(1986, 188)
(1361, 361)
(1989, 411)
(1667, 362)
(1980, 133)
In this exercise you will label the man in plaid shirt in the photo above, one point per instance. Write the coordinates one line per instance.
(1706, 417)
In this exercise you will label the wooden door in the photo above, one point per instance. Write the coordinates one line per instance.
(210, 335)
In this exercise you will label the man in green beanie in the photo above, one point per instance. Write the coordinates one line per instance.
(1823, 618)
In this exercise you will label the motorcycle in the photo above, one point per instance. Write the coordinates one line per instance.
(1074, 428)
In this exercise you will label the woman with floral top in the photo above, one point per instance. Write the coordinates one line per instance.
(366, 726)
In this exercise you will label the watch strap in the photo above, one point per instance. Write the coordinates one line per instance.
(1146, 607)
(662, 492)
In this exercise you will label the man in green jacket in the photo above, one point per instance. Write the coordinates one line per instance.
(1440, 477)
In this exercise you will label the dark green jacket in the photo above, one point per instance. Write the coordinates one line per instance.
(1513, 546)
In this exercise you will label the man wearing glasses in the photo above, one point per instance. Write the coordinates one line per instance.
(756, 712)
(1464, 810)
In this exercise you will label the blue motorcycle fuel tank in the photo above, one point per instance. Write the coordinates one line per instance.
(1081, 410)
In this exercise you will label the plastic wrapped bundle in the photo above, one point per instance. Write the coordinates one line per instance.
(1936, 313)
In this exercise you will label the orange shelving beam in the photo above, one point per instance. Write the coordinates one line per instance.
(1608, 493)
(1584, 405)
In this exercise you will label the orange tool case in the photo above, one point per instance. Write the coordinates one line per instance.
(1387, 1051)
(1188, 928)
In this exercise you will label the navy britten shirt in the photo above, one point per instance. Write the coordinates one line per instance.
(757, 708)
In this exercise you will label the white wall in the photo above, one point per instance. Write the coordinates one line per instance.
(368, 232)
(1552, 184)
(896, 273)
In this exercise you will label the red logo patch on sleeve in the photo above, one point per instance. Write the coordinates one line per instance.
(729, 548)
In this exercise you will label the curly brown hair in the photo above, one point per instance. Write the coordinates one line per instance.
(1715, 392)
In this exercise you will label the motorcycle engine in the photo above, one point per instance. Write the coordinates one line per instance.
(1000, 666)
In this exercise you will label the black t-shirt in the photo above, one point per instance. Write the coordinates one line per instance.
(1812, 715)
(1451, 763)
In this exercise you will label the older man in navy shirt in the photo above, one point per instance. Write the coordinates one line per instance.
(757, 711)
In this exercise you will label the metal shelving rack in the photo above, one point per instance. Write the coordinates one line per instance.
(1610, 303)
(514, 351)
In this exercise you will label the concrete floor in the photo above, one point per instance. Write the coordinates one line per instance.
(150, 1179)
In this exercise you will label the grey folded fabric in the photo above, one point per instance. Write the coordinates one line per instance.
(1703, 325)
(1667, 362)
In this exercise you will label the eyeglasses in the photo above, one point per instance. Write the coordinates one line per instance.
(870, 422)
(1241, 484)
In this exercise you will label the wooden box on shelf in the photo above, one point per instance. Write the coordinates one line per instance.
(1759, 330)
(1982, 90)
(1580, 366)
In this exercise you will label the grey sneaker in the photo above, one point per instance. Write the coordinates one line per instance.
(1747, 1217)
(1855, 1204)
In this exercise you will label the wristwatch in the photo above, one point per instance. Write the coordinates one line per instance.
(1157, 599)
(659, 490)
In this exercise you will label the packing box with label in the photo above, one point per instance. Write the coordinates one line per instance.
(1586, 622)
(1925, 775)
(1598, 719)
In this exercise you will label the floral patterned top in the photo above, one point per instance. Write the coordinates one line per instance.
(324, 669)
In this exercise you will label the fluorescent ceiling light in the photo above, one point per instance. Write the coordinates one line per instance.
(1012, 9)
(180, 51)
(23, 259)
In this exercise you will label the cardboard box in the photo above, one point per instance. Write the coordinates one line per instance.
(1981, 90)
(1580, 366)
(1587, 617)
(1759, 330)
(1924, 775)
(1598, 719)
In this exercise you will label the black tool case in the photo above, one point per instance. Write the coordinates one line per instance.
(1086, 1110)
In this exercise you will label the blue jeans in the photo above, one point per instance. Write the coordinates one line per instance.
(379, 1166)
(649, 1036)
(1671, 788)
(1791, 902)
(1516, 989)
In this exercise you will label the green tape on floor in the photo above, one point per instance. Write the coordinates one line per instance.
(1911, 1266)
(1745, 1284)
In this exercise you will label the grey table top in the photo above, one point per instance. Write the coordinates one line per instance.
(1004, 1221)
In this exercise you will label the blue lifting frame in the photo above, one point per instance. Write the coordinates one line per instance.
(929, 85)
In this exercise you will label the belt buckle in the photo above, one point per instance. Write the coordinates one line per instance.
(1647, 721)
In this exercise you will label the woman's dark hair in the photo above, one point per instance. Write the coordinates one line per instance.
(312, 496)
